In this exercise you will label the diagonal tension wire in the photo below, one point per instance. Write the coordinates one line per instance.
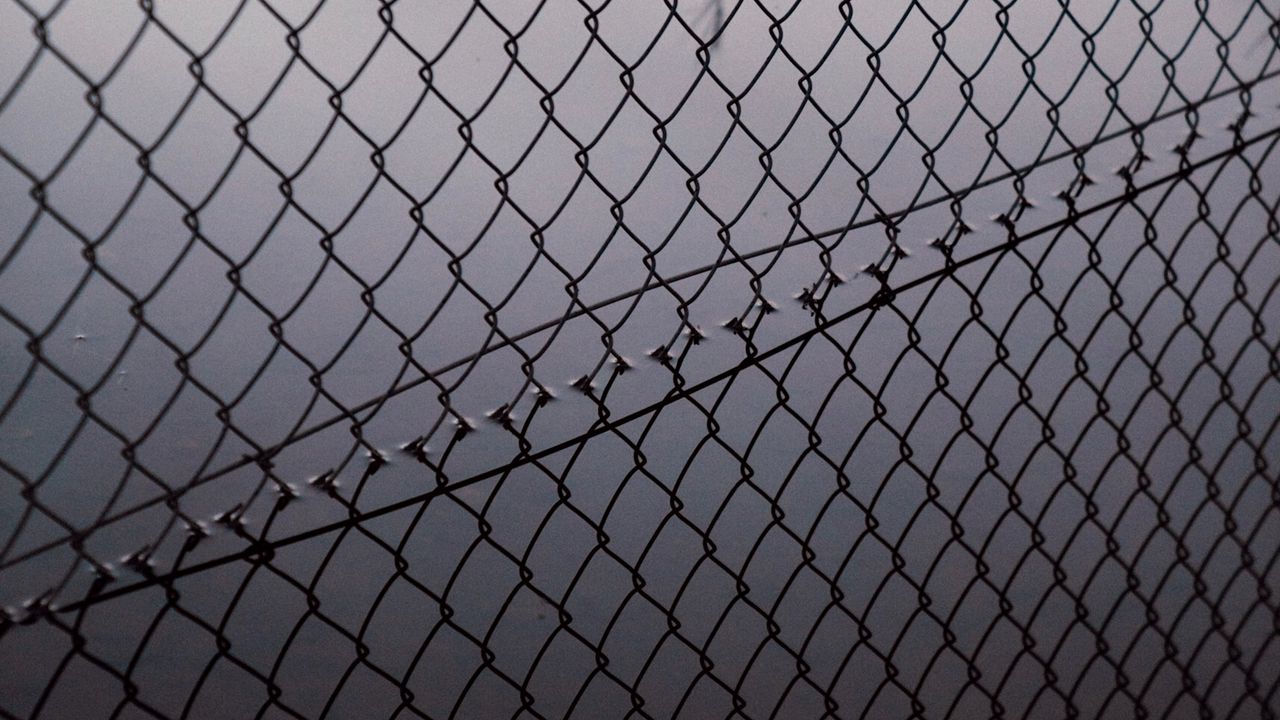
(267, 547)
(322, 425)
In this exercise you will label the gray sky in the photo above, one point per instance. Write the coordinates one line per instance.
(556, 150)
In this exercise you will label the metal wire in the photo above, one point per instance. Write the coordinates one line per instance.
(1019, 468)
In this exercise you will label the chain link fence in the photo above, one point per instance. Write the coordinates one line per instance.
(544, 359)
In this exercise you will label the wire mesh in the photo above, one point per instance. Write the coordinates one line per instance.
(668, 359)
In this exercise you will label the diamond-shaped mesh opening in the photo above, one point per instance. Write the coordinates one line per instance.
(748, 359)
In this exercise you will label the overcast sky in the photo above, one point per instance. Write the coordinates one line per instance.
(479, 175)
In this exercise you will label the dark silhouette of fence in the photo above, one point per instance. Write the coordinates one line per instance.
(829, 360)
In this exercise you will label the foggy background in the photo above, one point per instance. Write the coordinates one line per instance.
(261, 249)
